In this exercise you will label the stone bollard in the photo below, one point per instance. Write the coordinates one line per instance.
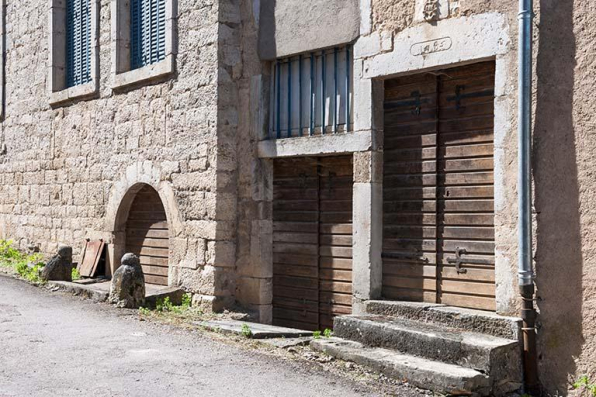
(128, 283)
(59, 268)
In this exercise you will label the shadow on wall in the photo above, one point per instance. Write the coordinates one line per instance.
(559, 251)
(267, 27)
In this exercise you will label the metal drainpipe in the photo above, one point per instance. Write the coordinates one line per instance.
(526, 273)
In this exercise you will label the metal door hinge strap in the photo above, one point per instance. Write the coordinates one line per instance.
(416, 103)
(459, 95)
(392, 255)
(458, 260)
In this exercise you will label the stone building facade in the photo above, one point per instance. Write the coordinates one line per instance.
(201, 131)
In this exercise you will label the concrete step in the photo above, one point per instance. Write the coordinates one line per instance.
(468, 349)
(453, 317)
(428, 374)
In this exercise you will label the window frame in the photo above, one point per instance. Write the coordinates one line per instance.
(122, 75)
(325, 100)
(58, 91)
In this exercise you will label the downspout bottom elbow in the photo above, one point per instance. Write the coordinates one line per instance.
(530, 355)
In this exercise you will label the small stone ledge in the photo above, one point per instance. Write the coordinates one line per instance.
(258, 331)
(174, 293)
(96, 291)
(360, 141)
(147, 74)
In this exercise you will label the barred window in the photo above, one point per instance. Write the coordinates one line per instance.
(147, 32)
(312, 94)
(78, 42)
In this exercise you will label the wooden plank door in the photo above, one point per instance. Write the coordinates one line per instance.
(335, 238)
(312, 241)
(466, 187)
(438, 243)
(409, 189)
(147, 235)
(296, 243)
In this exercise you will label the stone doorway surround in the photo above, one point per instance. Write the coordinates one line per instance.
(421, 48)
(121, 197)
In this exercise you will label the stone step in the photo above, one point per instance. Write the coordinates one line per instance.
(442, 378)
(481, 352)
(453, 317)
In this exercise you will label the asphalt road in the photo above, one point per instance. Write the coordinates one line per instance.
(57, 345)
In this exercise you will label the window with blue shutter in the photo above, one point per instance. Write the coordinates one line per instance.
(78, 42)
(147, 32)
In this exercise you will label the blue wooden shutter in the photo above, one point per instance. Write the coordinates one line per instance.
(147, 32)
(78, 42)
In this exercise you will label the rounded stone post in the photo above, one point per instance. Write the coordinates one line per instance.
(128, 283)
(59, 268)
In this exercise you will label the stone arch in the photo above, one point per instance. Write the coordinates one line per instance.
(122, 196)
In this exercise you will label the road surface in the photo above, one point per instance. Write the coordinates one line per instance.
(52, 344)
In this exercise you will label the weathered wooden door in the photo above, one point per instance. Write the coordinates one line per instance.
(438, 243)
(312, 241)
(147, 235)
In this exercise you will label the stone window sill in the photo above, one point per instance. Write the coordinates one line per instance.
(73, 94)
(359, 141)
(146, 74)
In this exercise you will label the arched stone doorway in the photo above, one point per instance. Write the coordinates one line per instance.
(146, 233)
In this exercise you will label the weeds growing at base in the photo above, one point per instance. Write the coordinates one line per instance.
(585, 386)
(26, 266)
(165, 307)
(246, 331)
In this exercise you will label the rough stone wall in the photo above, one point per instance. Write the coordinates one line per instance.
(563, 170)
(66, 169)
(243, 175)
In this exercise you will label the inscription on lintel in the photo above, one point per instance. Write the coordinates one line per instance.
(430, 46)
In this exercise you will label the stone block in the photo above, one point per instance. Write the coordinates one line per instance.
(254, 291)
(221, 253)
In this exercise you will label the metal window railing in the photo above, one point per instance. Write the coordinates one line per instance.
(312, 94)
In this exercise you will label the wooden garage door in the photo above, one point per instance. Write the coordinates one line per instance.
(438, 243)
(147, 235)
(312, 241)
